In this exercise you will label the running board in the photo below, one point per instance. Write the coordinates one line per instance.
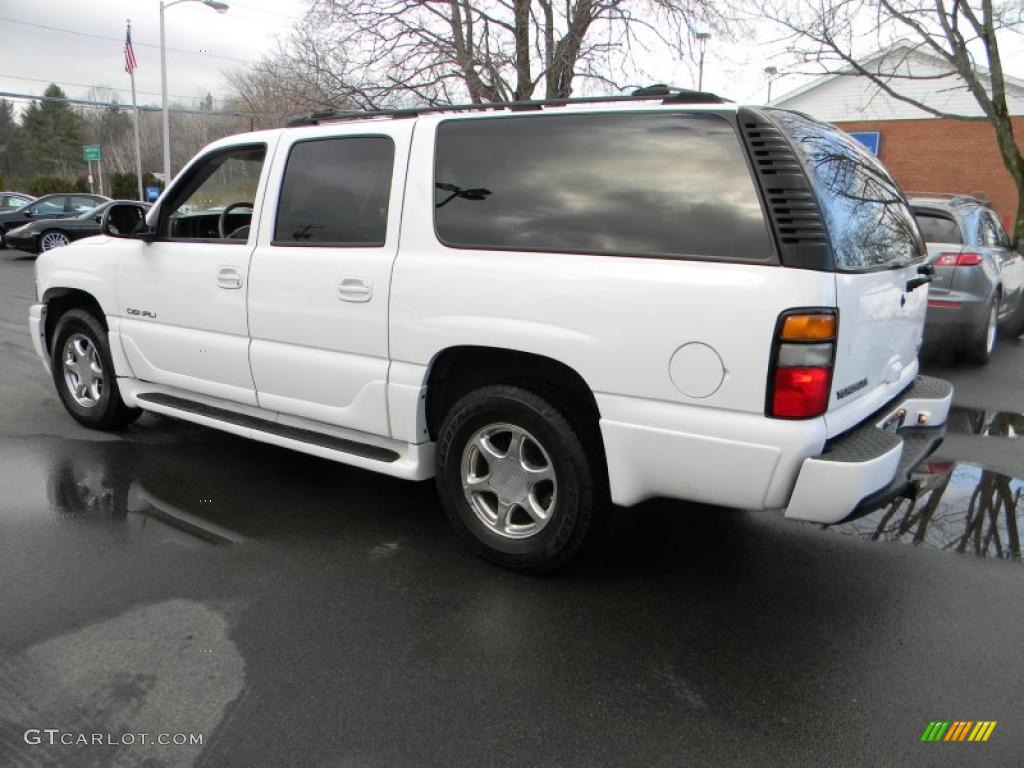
(374, 452)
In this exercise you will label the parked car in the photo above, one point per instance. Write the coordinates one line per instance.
(45, 234)
(12, 201)
(62, 205)
(978, 290)
(546, 310)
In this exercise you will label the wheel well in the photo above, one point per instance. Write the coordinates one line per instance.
(459, 370)
(60, 300)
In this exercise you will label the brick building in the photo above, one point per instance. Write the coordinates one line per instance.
(924, 153)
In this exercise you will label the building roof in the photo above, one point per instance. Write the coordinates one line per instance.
(847, 96)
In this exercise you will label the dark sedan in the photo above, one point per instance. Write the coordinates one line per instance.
(63, 205)
(45, 234)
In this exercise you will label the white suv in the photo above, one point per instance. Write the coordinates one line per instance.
(548, 306)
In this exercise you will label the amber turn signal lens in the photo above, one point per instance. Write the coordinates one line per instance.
(809, 327)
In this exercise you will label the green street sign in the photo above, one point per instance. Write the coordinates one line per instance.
(91, 152)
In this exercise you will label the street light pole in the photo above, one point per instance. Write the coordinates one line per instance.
(219, 7)
(771, 72)
(702, 38)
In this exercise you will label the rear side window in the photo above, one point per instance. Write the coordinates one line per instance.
(936, 228)
(868, 219)
(335, 192)
(654, 184)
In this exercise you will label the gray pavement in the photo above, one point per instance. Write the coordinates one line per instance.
(173, 579)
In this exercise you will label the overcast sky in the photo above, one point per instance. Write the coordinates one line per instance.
(202, 44)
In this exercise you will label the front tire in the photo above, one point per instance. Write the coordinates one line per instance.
(83, 372)
(516, 480)
(52, 238)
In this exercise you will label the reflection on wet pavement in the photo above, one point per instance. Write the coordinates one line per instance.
(975, 421)
(959, 507)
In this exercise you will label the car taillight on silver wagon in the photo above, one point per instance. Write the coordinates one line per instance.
(803, 353)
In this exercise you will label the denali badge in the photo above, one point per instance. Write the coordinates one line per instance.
(847, 391)
(141, 312)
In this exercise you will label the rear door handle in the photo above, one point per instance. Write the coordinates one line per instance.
(229, 277)
(357, 289)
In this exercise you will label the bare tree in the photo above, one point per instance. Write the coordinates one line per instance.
(377, 53)
(963, 34)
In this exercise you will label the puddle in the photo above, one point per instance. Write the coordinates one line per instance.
(960, 507)
(975, 421)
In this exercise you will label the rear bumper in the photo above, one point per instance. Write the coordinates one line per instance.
(868, 466)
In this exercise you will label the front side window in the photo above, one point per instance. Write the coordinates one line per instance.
(661, 184)
(48, 207)
(868, 219)
(215, 201)
(335, 192)
(936, 228)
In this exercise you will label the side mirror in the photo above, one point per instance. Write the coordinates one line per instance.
(126, 220)
(27, 214)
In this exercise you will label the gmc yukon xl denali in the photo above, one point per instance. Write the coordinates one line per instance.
(548, 307)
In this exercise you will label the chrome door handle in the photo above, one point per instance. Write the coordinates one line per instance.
(229, 277)
(355, 289)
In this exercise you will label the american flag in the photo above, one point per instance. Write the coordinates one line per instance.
(130, 65)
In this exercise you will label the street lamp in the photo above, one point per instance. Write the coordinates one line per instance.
(702, 38)
(219, 7)
(771, 72)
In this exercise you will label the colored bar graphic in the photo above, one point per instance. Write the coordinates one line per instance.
(958, 730)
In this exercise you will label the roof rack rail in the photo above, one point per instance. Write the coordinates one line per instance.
(667, 94)
(954, 197)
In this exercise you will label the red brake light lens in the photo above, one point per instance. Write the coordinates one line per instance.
(958, 260)
(800, 392)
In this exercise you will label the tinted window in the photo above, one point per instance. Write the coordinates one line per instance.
(868, 219)
(936, 228)
(12, 203)
(643, 184)
(335, 192)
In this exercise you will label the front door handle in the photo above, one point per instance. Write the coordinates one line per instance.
(355, 289)
(229, 277)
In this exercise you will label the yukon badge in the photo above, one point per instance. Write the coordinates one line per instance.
(140, 313)
(849, 390)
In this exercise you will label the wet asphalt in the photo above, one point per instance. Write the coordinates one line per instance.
(173, 579)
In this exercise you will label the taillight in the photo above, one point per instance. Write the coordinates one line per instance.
(803, 353)
(958, 260)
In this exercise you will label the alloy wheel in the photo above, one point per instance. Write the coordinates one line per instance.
(53, 240)
(83, 370)
(509, 480)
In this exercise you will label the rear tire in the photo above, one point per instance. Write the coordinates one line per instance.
(1014, 325)
(982, 340)
(83, 372)
(515, 479)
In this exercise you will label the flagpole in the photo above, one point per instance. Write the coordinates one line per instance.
(138, 146)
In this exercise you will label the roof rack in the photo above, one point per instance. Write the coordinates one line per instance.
(957, 198)
(667, 94)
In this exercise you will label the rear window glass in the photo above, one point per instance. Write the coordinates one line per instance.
(643, 184)
(868, 219)
(936, 228)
